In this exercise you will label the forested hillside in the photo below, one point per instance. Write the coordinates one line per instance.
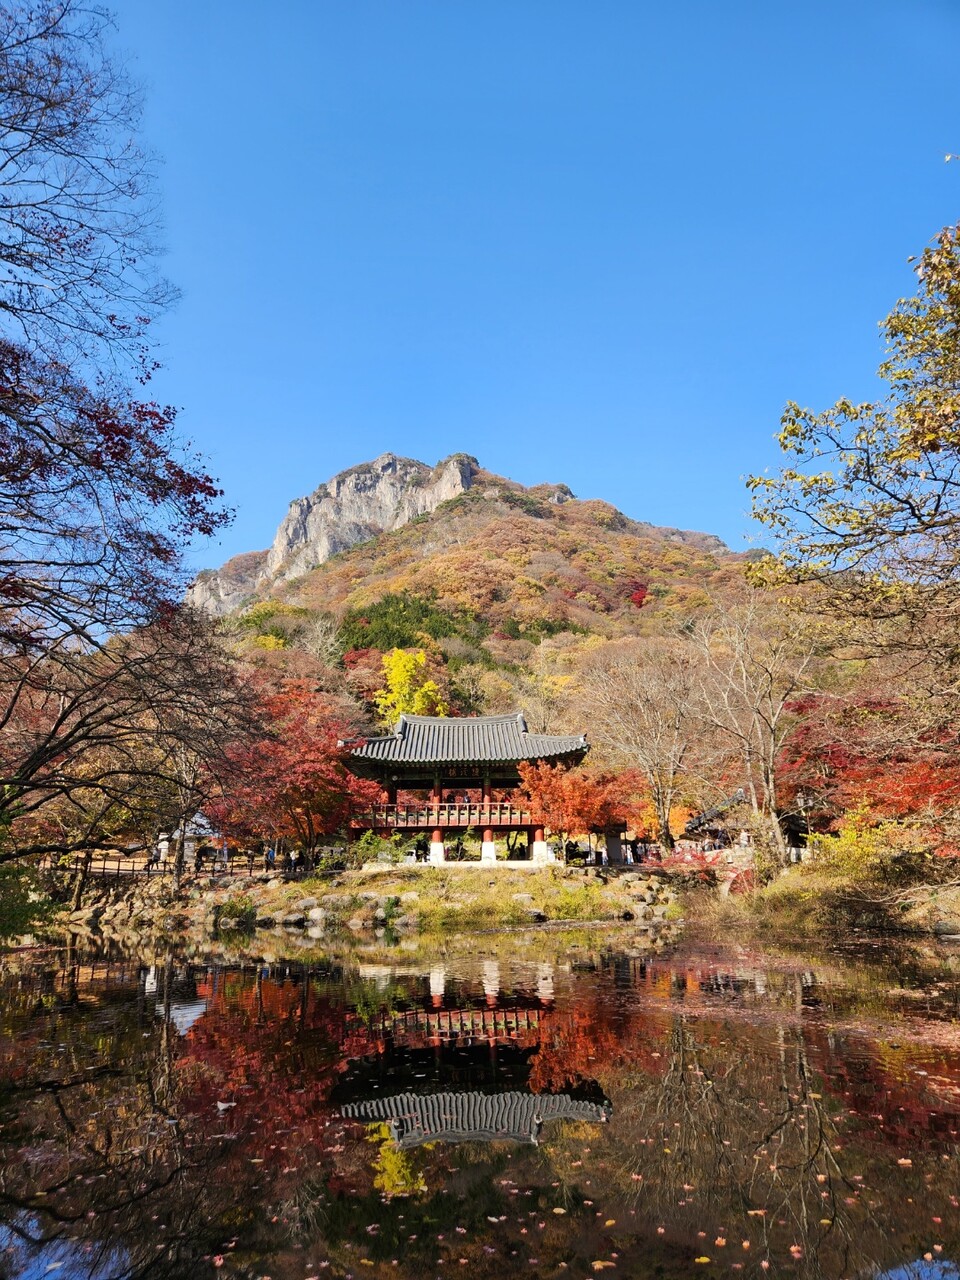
(505, 588)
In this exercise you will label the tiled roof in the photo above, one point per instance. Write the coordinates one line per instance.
(443, 740)
(473, 1116)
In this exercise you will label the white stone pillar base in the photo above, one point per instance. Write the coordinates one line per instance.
(488, 851)
(541, 852)
(437, 852)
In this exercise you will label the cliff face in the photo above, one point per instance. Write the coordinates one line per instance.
(354, 506)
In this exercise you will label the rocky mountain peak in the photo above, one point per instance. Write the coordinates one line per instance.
(355, 505)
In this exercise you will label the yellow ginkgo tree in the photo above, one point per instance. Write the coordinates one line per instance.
(408, 689)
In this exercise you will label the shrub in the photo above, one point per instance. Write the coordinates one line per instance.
(240, 910)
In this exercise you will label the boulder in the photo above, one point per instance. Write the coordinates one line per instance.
(294, 920)
(316, 915)
(305, 904)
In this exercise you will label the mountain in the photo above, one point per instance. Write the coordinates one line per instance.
(470, 539)
(355, 506)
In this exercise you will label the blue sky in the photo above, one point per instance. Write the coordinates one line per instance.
(594, 242)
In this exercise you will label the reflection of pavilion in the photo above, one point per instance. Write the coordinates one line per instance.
(459, 1071)
(473, 1116)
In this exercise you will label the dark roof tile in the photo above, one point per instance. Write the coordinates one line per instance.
(443, 740)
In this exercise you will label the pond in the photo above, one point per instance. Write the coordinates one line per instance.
(714, 1111)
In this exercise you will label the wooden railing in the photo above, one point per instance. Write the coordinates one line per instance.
(121, 867)
(447, 816)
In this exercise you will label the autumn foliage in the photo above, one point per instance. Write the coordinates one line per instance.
(292, 781)
(573, 801)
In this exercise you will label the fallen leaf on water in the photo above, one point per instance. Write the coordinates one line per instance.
(703, 1259)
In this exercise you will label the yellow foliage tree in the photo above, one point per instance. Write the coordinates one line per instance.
(408, 690)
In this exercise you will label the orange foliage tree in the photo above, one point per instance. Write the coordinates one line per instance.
(570, 801)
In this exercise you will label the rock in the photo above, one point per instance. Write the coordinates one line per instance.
(626, 915)
(354, 506)
(410, 896)
(315, 931)
(525, 899)
(369, 897)
(536, 916)
(266, 921)
(946, 928)
(294, 920)
(406, 922)
(316, 915)
(356, 924)
(305, 904)
(380, 915)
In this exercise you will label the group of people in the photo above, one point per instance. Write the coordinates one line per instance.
(222, 858)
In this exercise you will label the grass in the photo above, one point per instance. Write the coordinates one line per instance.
(808, 900)
(462, 899)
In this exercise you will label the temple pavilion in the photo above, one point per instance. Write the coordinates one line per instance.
(443, 775)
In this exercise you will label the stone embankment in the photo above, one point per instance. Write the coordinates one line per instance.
(386, 906)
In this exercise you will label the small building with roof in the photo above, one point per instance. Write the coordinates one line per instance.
(442, 775)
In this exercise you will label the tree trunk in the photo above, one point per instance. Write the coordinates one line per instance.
(179, 856)
(83, 872)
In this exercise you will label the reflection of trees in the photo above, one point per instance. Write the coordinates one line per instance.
(735, 1113)
(100, 1155)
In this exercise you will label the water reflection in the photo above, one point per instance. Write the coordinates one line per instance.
(719, 1111)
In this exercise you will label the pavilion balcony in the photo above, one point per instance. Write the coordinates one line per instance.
(450, 817)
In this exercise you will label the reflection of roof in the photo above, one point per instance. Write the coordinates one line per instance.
(473, 1117)
(439, 740)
